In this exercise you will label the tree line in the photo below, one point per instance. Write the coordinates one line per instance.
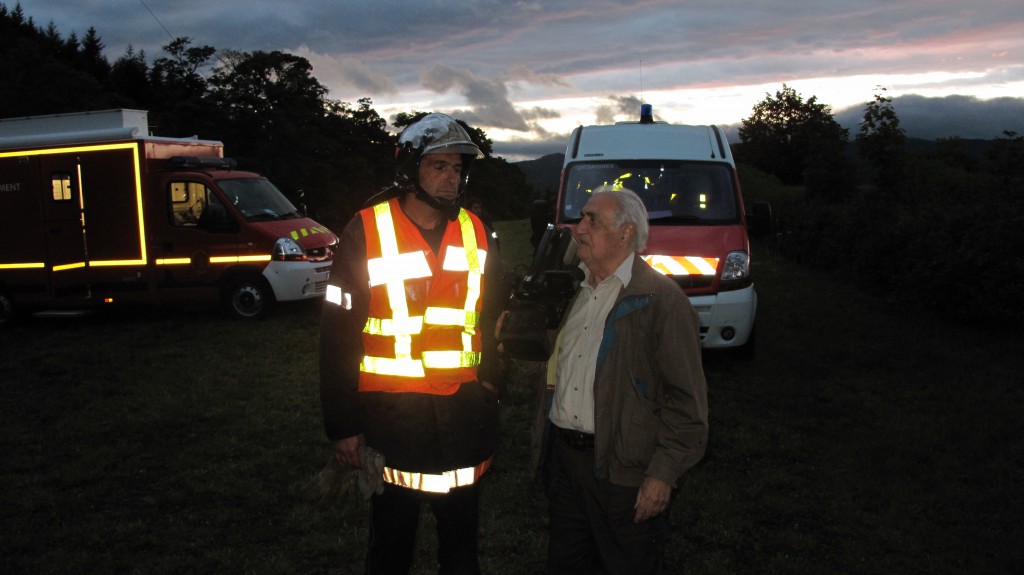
(942, 229)
(272, 114)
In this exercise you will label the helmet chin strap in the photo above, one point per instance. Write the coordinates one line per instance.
(450, 208)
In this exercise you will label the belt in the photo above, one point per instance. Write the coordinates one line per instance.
(575, 439)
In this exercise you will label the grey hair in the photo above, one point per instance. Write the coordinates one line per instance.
(630, 210)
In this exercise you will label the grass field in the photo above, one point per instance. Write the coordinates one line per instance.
(859, 440)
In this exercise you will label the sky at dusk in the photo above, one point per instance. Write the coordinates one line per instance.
(528, 72)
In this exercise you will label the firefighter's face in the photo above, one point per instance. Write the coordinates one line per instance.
(440, 174)
(603, 245)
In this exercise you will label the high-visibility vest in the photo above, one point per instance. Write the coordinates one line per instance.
(421, 333)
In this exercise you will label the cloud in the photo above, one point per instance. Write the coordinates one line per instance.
(951, 116)
(489, 97)
(616, 107)
(350, 72)
(525, 74)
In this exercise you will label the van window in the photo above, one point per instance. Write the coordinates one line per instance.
(193, 205)
(673, 192)
(61, 186)
(258, 200)
(188, 200)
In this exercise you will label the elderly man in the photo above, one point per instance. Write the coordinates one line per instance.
(628, 413)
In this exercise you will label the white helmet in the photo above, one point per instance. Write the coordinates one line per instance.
(434, 134)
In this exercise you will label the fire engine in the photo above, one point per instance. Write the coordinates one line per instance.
(98, 211)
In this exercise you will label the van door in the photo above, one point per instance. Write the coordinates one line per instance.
(198, 232)
(64, 226)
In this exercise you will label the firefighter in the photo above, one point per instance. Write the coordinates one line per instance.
(408, 359)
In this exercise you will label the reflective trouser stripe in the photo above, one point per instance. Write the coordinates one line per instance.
(437, 483)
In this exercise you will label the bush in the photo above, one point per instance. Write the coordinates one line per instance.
(948, 240)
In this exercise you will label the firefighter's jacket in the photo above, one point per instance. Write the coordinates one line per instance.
(424, 415)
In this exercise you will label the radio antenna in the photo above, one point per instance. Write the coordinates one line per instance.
(641, 80)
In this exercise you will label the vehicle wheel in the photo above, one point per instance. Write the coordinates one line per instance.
(248, 297)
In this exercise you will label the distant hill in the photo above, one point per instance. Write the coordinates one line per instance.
(544, 172)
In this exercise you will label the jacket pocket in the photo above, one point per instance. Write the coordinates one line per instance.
(638, 432)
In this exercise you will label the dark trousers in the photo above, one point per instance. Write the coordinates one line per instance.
(592, 530)
(394, 516)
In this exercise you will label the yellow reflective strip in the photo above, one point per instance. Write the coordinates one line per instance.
(115, 263)
(451, 316)
(406, 326)
(457, 259)
(173, 261)
(65, 267)
(238, 259)
(386, 229)
(396, 293)
(24, 266)
(436, 482)
(373, 326)
(397, 367)
(385, 270)
(476, 258)
(469, 242)
(450, 359)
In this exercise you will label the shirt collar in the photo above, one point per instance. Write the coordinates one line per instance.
(624, 272)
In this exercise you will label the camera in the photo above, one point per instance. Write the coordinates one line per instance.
(541, 297)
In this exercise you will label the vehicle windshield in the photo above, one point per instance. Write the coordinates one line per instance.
(258, 200)
(674, 192)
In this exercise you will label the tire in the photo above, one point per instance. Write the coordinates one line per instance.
(248, 297)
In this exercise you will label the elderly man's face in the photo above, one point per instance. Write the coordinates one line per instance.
(602, 244)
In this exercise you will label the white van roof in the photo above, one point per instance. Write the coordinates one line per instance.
(654, 141)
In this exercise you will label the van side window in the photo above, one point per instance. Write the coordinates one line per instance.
(188, 201)
(61, 186)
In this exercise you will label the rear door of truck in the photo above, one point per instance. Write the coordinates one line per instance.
(63, 230)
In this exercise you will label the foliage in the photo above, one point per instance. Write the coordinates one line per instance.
(938, 230)
(881, 142)
(1006, 158)
(949, 241)
(272, 114)
(797, 141)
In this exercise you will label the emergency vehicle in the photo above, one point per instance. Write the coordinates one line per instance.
(96, 210)
(686, 177)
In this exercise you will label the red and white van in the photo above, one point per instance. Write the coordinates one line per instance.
(686, 177)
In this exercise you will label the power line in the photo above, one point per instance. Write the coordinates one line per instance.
(169, 35)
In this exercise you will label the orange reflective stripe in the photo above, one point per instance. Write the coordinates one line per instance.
(437, 483)
(682, 265)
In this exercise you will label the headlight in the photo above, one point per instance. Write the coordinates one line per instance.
(737, 267)
(288, 250)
